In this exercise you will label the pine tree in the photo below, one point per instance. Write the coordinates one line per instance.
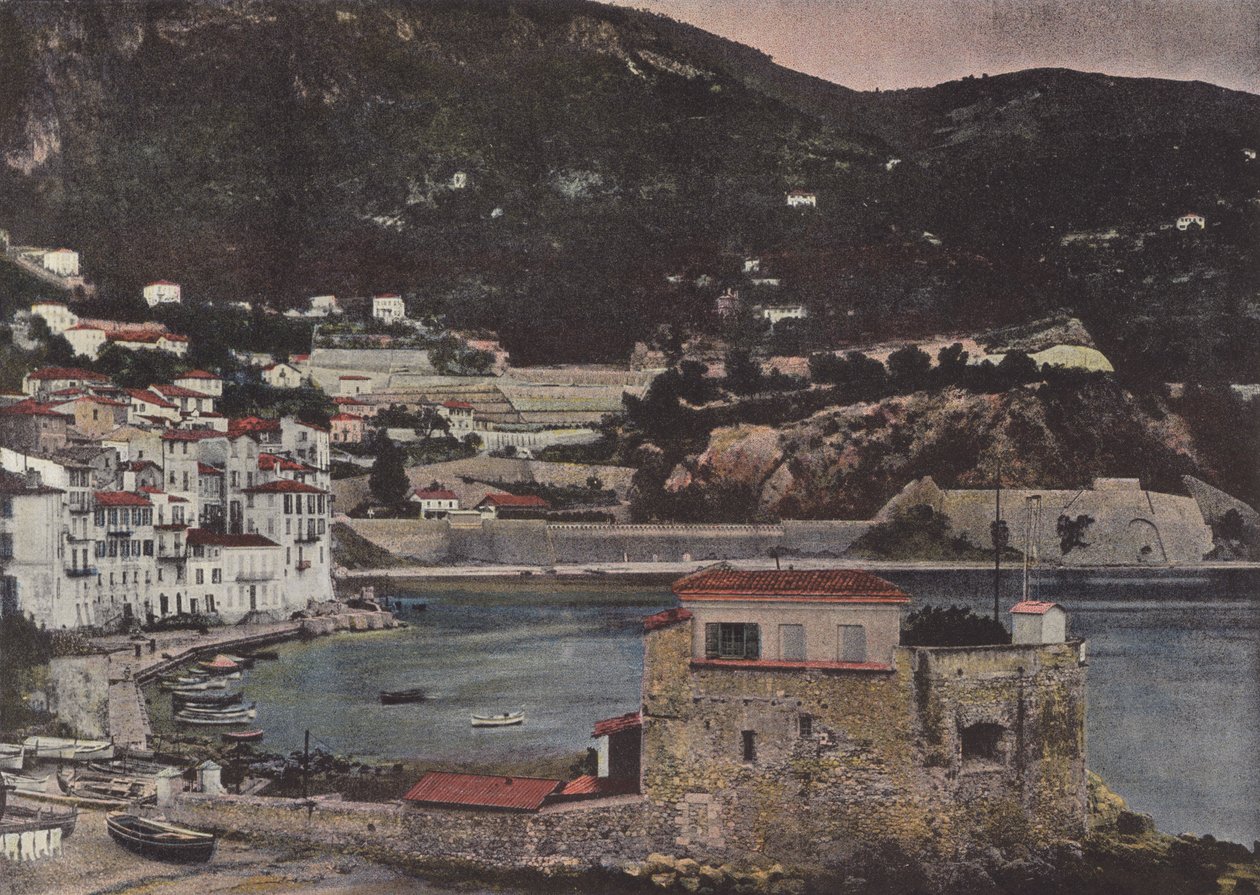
(388, 480)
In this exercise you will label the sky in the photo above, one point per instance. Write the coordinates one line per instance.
(867, 44)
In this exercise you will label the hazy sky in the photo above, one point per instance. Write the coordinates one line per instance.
(904, 43)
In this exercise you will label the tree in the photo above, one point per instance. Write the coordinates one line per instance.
(952, 626)
(743, 374)
(908, 368)
(388, 479)
(951, 364)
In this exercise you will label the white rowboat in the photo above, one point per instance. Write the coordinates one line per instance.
(59, 749)
(11, 757)
(507, 719)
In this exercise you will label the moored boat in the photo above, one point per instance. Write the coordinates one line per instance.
(26, 783)
(158, 840)
(243, 736)
(224, 718)
(506, 719)
(11, 756)
(242, 661)
(396, 697)
(208, 699)
(60, 749)
(220, 665)
(214, 684)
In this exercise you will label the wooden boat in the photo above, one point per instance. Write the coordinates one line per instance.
(207, 699)
(59, 749)
(242, 661)
(20, 819)
(239, 717)
(158, 840)
(216, 684)
(25, 783)
(396, 697)
(507, 719)
(11, 757)
(219, 666)
(243, 736)
(122, 789)
(130, 766)
(183, 678)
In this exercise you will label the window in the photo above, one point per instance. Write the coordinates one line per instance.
(113, 517)
(113, 548)
(185, 481)
(100, 518)
(982, 743)
(731, 641)
(148, 548)
(100, 549)
(288, 503)
(805, 726)
(749, 745)
(216, 576)
(792, 643)
(201, 576)
(851, 643)
(6, 546)
(6, 507)
(236, 479)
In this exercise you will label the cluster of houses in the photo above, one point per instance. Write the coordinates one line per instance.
(122, 504)
(442, 503)
(89, 336)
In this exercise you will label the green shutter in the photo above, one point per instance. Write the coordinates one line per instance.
(752, 642)
(711, 648)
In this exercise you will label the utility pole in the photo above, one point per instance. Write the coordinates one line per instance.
(306, 766)
(997, 547)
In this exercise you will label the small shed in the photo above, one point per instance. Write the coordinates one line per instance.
(1037, 621)
(618, 746)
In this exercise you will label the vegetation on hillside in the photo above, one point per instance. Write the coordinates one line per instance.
(919, 533)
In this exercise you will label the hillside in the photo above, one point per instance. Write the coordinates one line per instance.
(279, 149)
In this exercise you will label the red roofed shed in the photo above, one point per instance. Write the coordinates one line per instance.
(442, 790)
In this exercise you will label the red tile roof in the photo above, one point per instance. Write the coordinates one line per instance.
(173, 337)
(815, 585)
(15, 483)
(81, 327)
(178, 391)
(283, 486)
(190, 434)
(665, 618)
(134, 335)
(272, 461)
(588, 786)
(253, 424)
(207, 469)
(609, 726)
(479, 791)
(532, 501)
(355, 377)
(346, 418)
(457, 405)
(348, 400)
(197, 374)
(435, 494)
(1034, 607)
(66, 373)
(143, 395)
(138, 465)
(120, 499)
(163, 283)
(201, 537)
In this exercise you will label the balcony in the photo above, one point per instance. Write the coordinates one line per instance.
(303, 565)
(80, 572)
(120, 533)
(308, 538)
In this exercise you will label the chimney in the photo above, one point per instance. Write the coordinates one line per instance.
(33, 478)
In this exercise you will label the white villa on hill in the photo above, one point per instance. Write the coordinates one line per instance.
(282, 375)
(63, 262)
(775, 313)
(1190, 219)
(56, 314)
(163, 292)
(389, 307)
(802, 198)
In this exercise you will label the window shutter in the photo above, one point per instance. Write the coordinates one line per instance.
(752, 642)
(711, 648)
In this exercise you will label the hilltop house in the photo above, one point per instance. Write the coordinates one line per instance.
(802, 199)
(85, 339)
(389, 308)
(775, 313)
(201, 381)
(162, 292)
(1186, 221)
(458, 415)
(435, 503)
(282, 375)
(56, 314)
(351, 385)
(62, 262)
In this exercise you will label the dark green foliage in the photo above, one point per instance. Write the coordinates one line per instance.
(388, 479)
(743, 374)
(918, 533)
(951, 626)
(908, 368)
(23, 647)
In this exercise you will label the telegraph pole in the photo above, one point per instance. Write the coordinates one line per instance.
(997, 547)
(306, 765)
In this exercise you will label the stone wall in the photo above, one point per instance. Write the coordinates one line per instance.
(851, 758)
(77, 692)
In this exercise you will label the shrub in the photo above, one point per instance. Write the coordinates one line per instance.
(951, 626)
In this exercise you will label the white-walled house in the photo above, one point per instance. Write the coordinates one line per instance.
(201, 381)
(802, 199)
(389, 308)
(1190, 219)
(435, 503)
(458, 415)
(63, 262)
(352, 385)
(282, 375)
(323, 306)
(162, 292)
(775, 313)
(85, 339)
(56, 314)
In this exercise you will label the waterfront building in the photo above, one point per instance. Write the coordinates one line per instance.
(1036, 621)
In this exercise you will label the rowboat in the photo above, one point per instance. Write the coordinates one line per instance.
(158, 840)
(21, 819)
(507, 719)
(183, 680)
(11, 757)
(396, 697)
(242, 661)
(220, 665)
(129, 766)
(242, 736)
(59, 749)
(216, 684)
(24, 783)
(240, 717)
(122, 788)
(208, 699)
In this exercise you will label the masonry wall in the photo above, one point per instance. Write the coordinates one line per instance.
(77, 692)
(881, 758)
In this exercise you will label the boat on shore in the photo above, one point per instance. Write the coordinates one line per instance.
(11, 757)
(213, 684)
(506, 719)
(130, 766)
(243, 736)
(219, 666)
(26, 783)
(60, 749)
(21, 819)
(240, 716)
(213, 700)
(397, 697)
(159, 840)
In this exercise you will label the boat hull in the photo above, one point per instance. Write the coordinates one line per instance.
(20, 819)
(509, 720)
(397, 697)
(11, 757)
(160, 842)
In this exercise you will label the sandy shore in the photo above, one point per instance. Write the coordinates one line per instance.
(92, 864)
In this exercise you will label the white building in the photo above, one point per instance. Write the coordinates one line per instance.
(282, 375)
(323, 306)
(352, 385)
(802, 199)
(389, 308)
(63, 262)
(775, 313)
(1186, 221)
(1036, 621)
(201, 381)
(86, 340)
(162, 292)
(458, 415)
(435, 503)
(56, 314)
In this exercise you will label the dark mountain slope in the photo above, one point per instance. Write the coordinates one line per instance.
(279, 149)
